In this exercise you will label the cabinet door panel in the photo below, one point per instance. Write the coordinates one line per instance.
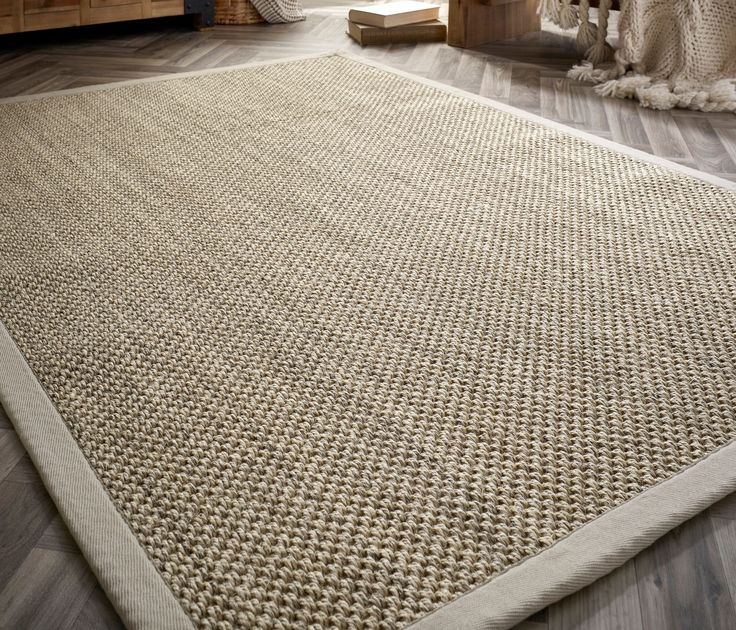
(160, 8)
(115, 13)
(38, 6)
(41, 20)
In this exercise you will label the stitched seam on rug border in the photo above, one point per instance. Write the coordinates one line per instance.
(44, 400)
(525, 610)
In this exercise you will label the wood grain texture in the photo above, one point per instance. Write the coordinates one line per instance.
(725, 508)
(24, 472)
(5, 422)
(682, 580)
(32, 15)
(49, 590)
(613, 604)
(97, 613)
(56, 537)
(475, 22)
(25, 512)
(686, 581)
(32, 6)
(11, 451)
(51, 19)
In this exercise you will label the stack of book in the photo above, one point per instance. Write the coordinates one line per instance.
(396, 23)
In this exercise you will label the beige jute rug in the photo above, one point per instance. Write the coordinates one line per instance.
(316, 344)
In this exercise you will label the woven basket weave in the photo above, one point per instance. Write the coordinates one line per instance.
(236, 12)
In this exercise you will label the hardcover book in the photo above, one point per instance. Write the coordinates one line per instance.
(394, 14)
(365, 35)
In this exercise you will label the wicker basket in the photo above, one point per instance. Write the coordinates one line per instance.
(236, 12)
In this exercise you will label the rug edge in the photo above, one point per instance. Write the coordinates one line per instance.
(591, 551)
(551, 124)
(505, 600)
(135, 588)
(483, 100)
(469, 610)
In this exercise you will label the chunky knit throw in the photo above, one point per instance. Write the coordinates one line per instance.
(280, 11)
(672, 53)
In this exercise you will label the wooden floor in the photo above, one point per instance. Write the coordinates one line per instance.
(686, 581)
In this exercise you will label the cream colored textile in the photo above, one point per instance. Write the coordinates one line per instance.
(672, 53)
(341, 346)
(280, 11)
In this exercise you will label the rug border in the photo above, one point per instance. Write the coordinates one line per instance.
(144, 600)
(123, 568)
(552, 124)
(590, 552)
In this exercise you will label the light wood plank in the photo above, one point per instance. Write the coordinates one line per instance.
(4, 420)
(53, 19)
(11, 452)
(470, 72)
(705, 144)
(611, 603)
(625, 123)
(57, 537)
(663, 134)
(25, 512)
(496, 81)
(725, 508)
(592, 117)
(725, 535)
(727, 136)
(525, 88)
(33, 598)
(97, 613)
(682, 583)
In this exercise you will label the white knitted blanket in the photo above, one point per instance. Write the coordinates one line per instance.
(278, 11)
(672, 53)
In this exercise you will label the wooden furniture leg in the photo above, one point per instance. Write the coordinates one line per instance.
(475, 22)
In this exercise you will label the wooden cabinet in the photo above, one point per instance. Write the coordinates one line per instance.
(475, 22)
(40, 14)
(31, 15)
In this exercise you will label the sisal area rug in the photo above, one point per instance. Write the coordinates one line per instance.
(317, 344)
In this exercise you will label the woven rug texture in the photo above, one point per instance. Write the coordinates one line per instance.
(341, 346)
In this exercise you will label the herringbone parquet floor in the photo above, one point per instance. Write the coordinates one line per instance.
(687, 580)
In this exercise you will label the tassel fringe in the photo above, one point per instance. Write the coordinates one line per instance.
(550, 10)
(616, 80)
(599, 52)
(586, 36)
(568, 16)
